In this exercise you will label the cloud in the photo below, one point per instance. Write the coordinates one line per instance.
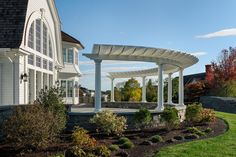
(199, 53)
(110, 62)
(221, 33)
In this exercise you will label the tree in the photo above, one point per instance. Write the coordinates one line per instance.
(151, 92)
(175, 90)
(193, 91)
(131, 91)
(117, 94)
(224, 73)
(225, 68)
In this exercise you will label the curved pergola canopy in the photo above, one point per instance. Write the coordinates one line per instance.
(168, 61)
(145, 54)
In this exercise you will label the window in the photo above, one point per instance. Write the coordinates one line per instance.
(64, 55)
(50, 48)
(70, 56)
(76, 58)
(63, 86)
(38, 35)
(31, 36)
(38, 61)
(45, 39)
(50, 80)
(50, 66)
(31, 59)
(39, 38)
(45, 81)
(69, 88)
(45, 64)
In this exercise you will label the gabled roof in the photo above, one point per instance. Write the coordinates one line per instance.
(194, 77)
(12, 20)
(68, 38)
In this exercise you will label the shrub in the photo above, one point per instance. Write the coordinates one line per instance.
(195, 130)
(108, 122)
(156, 138)
(114, 147)
(102, 151)
(127, 145)
(208, 130)
(170, 117)
(192, 114)
(207, 115)
(142, 118)
(30, 127)
(51, 99)
(82, 140)
(123, 140)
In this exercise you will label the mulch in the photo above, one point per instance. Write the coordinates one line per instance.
(137, 137)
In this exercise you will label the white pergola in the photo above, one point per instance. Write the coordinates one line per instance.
(168, 62)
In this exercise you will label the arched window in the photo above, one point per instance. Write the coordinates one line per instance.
(31, 36)
(39, 38)
(45, 39)
(38, 35)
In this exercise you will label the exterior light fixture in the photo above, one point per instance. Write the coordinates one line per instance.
(24, 77)
(57, 83)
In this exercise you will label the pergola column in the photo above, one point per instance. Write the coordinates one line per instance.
(169, 100)
(181, 87)
(112, 90)
(160, 94)
(97, 85)
(144, 89)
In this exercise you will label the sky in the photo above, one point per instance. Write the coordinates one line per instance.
(200, 27)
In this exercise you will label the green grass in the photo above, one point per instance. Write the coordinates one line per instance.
(223, 145)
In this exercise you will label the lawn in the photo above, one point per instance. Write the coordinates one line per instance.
(223, 145)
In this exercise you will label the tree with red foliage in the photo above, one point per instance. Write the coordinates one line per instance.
(224, 73)
(225, 68)
(193, 91)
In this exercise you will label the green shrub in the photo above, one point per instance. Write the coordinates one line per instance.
(207, 115)
(170, 117)
(30, 127)
(156, 138)
(123, 140)
(81, 139)
(108, 122)
(127, 145)
(51, 99)
(102, 151)
(76, 151)
(142, 118)
(208, 130)
(193, 113)
(195, 130)
(114, 147)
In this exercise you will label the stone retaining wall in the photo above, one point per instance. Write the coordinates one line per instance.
(224, 104)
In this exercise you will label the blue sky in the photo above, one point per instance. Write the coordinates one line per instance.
(200, 27)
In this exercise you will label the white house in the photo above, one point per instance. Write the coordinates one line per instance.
(35, 53)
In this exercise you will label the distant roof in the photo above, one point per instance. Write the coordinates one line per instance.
(194, 77)
(68, 38)
(12, 20)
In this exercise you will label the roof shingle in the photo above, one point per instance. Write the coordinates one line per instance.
(12, 20)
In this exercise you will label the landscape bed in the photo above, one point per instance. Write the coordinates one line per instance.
(141, 140)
